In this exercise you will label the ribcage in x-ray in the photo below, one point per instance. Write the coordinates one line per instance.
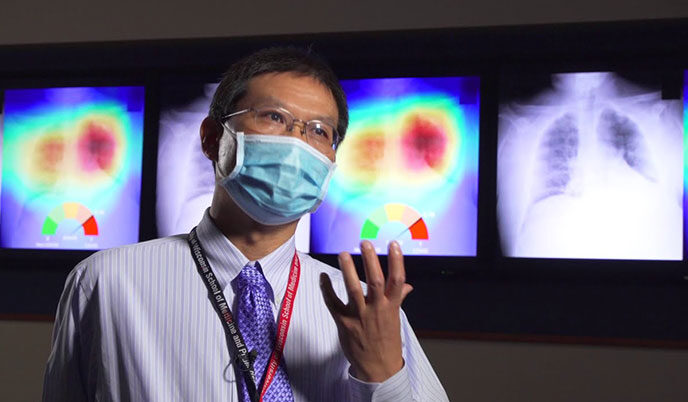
(622, 135)
(557, 150)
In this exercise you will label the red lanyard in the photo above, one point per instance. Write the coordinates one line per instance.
(283, 323)
(219, 303)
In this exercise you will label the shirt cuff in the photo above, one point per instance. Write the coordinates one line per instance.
(396, 388)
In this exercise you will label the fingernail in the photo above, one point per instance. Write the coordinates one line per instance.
(322, 279)
(365, 244)
(394, 246)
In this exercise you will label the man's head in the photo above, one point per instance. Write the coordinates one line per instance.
(236, 79)
(265, 110)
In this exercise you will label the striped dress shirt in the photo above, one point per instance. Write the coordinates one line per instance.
(135, 324)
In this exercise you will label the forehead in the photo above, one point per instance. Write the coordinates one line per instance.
(303, 95)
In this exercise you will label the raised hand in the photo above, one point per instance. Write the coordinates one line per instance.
(368, 325)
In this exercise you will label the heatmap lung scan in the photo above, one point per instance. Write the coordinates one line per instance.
(71, 167)
(407, 169)
(590, 165)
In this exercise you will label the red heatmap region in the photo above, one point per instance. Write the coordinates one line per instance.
(424, 144)
(96, 147)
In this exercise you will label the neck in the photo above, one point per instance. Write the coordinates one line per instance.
(253, 239)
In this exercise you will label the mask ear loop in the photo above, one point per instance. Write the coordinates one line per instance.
(323, 191)
(236, 152)
(239, 163)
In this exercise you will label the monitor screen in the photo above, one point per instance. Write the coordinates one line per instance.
(186, 181)
(590, 165)
(407, 169)
(71, 167)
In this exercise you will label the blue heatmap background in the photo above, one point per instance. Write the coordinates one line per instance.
(71, 167)
(407, 169)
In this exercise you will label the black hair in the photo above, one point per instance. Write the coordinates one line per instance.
(305, 62)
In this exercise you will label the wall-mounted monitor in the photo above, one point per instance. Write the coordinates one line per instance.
(590, 166)
(71, 167)
(407, 169)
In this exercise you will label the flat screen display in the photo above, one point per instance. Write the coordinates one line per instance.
(186, 181)
(71, 167)
(590, 165)
(407, 169)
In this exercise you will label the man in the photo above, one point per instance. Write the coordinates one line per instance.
(152, 322)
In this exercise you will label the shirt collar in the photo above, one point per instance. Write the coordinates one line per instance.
(227, 261)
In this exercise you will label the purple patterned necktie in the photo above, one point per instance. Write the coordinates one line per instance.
(258, 327)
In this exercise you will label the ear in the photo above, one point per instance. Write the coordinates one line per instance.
(210, 131)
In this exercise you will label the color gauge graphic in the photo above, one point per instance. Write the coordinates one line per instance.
(70, 210)
(394, 212)
(396, 222)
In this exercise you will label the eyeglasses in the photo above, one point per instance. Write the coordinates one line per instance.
(277, 120)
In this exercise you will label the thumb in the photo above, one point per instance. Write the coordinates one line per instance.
(405, 291)
(332, 302)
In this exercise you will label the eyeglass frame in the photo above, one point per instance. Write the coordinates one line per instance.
(304, 123)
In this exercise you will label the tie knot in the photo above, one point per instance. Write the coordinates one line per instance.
(251, 278)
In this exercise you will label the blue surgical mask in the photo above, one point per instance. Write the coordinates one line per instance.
(276, 179)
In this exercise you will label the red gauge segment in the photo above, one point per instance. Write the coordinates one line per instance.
(91, 227)
(419, 231)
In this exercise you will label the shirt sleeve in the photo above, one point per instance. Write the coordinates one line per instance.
(64, 378)
(416, 381)
(395, 388)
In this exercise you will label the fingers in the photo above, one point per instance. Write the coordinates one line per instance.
(351, 281)
(394, 288)
(405, 291)
(332, 302)
(396, 276)
(374, 276)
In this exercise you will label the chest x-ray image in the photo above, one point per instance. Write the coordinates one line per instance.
(186, 181)
(590, 165)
